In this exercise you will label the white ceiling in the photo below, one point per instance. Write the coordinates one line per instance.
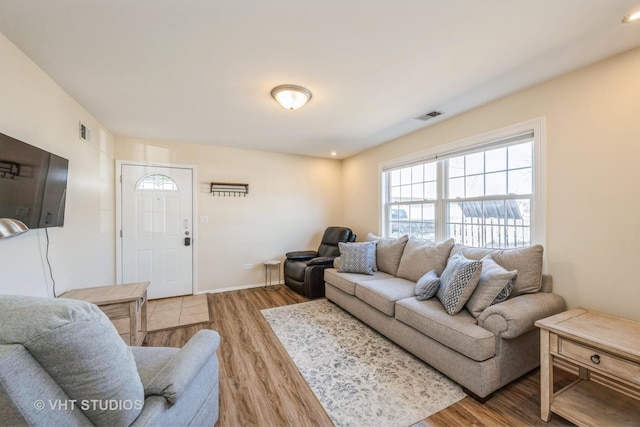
(202, 70)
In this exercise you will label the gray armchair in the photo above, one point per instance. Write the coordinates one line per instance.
(62, 362)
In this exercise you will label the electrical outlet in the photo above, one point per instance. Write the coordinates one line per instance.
(248, 266)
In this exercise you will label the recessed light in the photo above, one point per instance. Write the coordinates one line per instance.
(631, 17)
(333, 153)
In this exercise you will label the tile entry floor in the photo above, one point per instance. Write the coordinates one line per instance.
(173, 312)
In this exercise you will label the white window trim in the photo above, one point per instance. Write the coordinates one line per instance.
(538, 125)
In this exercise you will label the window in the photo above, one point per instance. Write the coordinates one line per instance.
(157, 182)
(481, 192)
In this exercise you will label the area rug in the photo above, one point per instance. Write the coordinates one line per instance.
(360, 377)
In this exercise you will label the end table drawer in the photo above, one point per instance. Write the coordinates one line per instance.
(599, 360)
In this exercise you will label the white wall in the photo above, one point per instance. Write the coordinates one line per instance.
(34, 109)
(592, 195)
(291, 200)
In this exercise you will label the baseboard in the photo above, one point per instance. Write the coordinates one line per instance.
(238, 288)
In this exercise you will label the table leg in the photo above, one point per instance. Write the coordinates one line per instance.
(546, 376)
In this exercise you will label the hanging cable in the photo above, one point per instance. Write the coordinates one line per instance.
(46, 231)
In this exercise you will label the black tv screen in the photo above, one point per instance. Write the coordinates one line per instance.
(33, 184)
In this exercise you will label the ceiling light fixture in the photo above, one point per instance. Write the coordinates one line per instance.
(291, 97)
(632, 17)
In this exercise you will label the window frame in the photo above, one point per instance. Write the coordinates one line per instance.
(480, 142)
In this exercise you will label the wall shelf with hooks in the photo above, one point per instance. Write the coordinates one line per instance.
(230, 189)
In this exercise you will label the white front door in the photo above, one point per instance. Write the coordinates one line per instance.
(157, 223)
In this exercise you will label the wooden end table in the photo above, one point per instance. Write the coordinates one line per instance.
(606, 352)
(124, 305)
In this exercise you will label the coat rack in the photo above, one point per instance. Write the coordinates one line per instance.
(229, 189)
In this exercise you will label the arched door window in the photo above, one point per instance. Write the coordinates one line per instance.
(157, 182)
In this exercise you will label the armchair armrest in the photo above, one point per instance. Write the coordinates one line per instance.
(515, 316)
(323, 260)
(174, 378)
(301, 255)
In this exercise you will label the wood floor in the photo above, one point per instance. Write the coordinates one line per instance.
(260, 385)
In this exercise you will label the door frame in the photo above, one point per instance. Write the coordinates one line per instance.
(194, 229)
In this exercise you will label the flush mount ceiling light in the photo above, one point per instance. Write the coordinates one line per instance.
(631, 17)
(291, 97)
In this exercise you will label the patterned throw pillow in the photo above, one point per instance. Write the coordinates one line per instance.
(458, 281)
(357, 257)
(494, 286)
(427, 285)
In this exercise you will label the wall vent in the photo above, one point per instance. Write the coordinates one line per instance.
(85, 133)
(430, 115)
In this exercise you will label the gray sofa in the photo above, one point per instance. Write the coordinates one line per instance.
(62, 362)
(481, 348)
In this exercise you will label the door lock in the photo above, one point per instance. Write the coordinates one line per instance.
(187, 241)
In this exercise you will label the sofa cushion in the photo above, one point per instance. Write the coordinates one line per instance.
(527, 260)
(457, 282)
(346, 282)
(459, 332)
(421, 256)
(494, 281)
(80, 349)
(357, 257)
(388, 252)
(383, 294)
(427, 285)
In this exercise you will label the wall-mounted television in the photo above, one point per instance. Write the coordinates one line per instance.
(33, 184)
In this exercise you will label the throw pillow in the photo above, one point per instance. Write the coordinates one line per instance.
(421, 256)
(494, 281)
(528, 262)
(427, 286)
(458, 281)
(388, 252)
(357, 257)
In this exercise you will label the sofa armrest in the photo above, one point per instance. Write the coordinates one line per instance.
(301, 255)
(174, 378)
(515, 316)
(323, 260)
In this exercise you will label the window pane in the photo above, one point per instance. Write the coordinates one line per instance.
(496, 160)
(430, 191)
(496, 183)
(394, 177)
(456, 188)
(430, 171)
(395, 194)
(157, 182)
(405, 176)
(417, 173)
(521, 155)
(456, 167)
(520, 181)
(417, 191)
(475, 186)
(405, 193)
(474, 163)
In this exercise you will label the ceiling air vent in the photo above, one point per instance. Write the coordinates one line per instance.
(428, 116)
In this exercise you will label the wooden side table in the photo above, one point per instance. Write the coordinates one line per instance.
(606, 351)
(124, 305)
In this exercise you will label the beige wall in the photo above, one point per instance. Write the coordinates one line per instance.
(592, 167)
(34, 109)
(291, 200)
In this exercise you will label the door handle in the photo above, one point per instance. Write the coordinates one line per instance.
(187, 241)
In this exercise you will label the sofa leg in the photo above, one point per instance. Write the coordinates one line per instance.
(476, 397)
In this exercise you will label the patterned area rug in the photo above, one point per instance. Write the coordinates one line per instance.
(360, 377)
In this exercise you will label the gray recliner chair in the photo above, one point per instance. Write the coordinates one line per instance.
(304, 270)
(62, 362)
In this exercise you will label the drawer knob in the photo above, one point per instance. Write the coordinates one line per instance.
(595, 359)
